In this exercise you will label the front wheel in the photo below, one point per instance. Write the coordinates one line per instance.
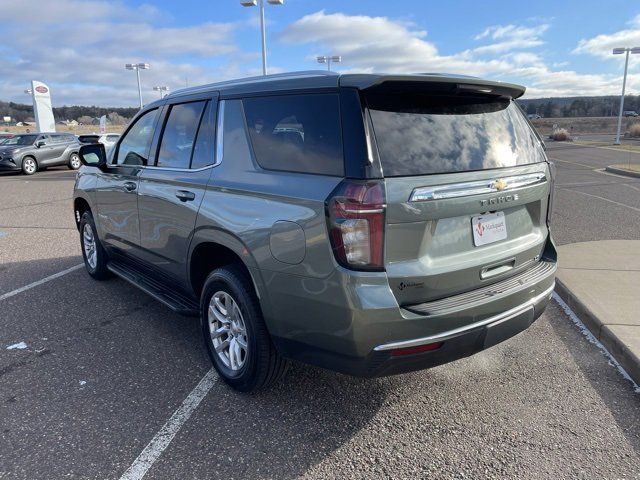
(74, 162)
(95, 258)
(29, 166)
(234, 332)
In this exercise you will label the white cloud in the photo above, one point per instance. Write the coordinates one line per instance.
(382, 44)
(80, 48)
(510, 37)
(379, 43)
(603, 44)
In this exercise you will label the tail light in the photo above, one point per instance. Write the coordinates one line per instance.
(355, 212)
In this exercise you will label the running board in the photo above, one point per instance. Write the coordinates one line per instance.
(176, 301)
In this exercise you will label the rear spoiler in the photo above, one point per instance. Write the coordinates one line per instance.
(442, 84)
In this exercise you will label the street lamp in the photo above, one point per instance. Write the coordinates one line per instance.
(620, 51)
(329, 59)
(137, 67)
(161, 89)
(253, 3)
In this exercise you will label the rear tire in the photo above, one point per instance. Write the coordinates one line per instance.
(74, 162)
(235, 334)
(95, 258)
(29, 165)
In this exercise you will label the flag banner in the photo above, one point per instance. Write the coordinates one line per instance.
(42, 107)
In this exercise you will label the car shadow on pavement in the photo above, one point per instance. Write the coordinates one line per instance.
(607, 382)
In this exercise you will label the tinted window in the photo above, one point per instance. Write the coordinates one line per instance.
(112, 138)
(204, 150)
(134, 147)
(179, 134)
(297, 133)
(20, 140)
(430, 134)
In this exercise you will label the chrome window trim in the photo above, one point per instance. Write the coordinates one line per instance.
(441, 337)
(217, 154)
(464, 189)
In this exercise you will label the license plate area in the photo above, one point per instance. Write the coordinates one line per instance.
(488, 228)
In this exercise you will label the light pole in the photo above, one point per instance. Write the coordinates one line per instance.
(137, 67)
(620, 51)
(253, 3)
(329, 59)
(161, 89)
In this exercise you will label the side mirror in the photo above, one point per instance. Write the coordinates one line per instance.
(40, 143)
(93, 155)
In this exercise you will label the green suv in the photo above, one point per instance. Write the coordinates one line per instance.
(370, 224)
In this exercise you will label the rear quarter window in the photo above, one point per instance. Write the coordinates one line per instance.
(296, 133)
(418, 135)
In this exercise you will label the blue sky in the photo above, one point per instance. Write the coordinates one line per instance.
(79, 47)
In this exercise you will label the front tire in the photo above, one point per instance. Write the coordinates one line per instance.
(29, 165)
(95, 258)
(74, 161)
(235, 334)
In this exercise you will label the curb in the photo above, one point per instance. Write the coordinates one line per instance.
(618, 349)
(622, 171)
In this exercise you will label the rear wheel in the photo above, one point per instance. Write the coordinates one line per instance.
(74, 161)
(29, 166)
(95, 258)
(234, 332)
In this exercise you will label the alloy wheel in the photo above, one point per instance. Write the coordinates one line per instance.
(89, 244)
(29, 165)
(75, 161)
(227, 330)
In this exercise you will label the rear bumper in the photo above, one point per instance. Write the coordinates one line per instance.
(455, 344)
(354, 324)
(458, 343)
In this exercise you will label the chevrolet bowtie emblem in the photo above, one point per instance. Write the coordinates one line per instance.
(500, 184)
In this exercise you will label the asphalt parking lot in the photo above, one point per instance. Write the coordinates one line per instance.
(105, 367)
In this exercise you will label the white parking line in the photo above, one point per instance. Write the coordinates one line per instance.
(162, 439)
(4, 296)
(592, 339)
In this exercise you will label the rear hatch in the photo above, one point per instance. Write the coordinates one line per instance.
(467, 189)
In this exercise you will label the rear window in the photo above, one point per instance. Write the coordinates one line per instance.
(296, 133)
(422, 134)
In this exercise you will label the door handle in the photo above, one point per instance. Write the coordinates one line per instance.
(129, 186)
(185, 195)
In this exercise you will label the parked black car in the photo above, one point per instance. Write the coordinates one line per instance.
(33, 151)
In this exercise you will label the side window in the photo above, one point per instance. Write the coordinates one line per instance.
(135, 144)
(179, 135)
(112, 138)
(204, 149)
(297, 133)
